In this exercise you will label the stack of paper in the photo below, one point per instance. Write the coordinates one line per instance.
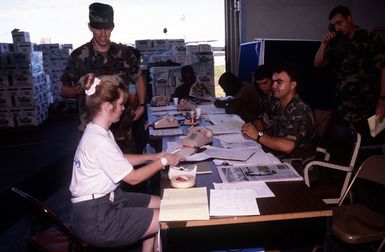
(221, 153)
(163, 108)
(209, 109)
(236, 140)
(260, 189)
(228, 127)
(233, 203)
(165, 132)
(184, 204)
(220, 118)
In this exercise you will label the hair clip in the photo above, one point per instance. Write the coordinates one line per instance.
(92, 89)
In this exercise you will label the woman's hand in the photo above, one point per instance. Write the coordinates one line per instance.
(173, 159)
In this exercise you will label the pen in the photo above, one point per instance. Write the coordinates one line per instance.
(176, 150)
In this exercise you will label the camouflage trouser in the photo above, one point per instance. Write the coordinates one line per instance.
(122, 131)
(344, 116)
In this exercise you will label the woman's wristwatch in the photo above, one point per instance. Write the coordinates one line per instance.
(164, 162)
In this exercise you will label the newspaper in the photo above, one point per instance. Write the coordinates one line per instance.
(273, 172)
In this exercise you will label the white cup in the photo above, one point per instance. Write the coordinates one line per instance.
(198, 112)
(176, 100)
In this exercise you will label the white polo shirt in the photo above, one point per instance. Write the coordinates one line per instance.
(99, 164)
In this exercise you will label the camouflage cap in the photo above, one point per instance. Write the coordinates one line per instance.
(101, 16)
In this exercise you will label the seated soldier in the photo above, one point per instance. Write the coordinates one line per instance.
(264, 82)
(287, 129)
(246, 102)
(191, 87)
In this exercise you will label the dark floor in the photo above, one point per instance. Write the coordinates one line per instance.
(39, 161)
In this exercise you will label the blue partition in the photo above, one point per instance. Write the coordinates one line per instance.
(249, 59)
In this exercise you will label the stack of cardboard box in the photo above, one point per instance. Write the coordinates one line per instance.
(55, 58)
(165, 58)
(26, 89)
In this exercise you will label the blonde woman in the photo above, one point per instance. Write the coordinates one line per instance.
(102, 214)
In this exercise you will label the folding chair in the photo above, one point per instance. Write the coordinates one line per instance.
(358, 223)
(54, 235)
(57, 237)
(332, 175)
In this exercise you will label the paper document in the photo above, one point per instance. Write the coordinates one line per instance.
(278, 172)
(163, 108)
(184, 204)
(176, 148)
(170, 112)
(209, 109)
(220, 118)
(375, 126)
(165, 132)
(260, 189)
(228, 127)
(233, 203)
(196, 157)
(237, 140)
(229, 154)
(259, 158)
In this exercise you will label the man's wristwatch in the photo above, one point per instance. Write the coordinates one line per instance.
(260, 133)
(164, 161)
(142, 105)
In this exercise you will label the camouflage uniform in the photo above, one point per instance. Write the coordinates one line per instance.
(120, 59)
(357, 68)
(294, 122)
(267, 102)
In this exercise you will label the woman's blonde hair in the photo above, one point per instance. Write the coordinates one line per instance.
(108, 89)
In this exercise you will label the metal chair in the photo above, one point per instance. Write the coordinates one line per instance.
(341, 156)
(357, 223)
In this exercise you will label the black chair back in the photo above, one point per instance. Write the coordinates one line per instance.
(42, 211)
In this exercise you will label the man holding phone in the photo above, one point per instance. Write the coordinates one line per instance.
(357, 57)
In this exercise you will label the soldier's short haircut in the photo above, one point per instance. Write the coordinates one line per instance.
(341, 9)
(187, 68)
(262, 72)
(291, 69)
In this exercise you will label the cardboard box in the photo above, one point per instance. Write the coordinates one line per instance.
(144, 44)
(4, 48)
(26, 101)
(7, 122)
(204, 48)
(24, 47)
(5, 102)
(20, 36)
